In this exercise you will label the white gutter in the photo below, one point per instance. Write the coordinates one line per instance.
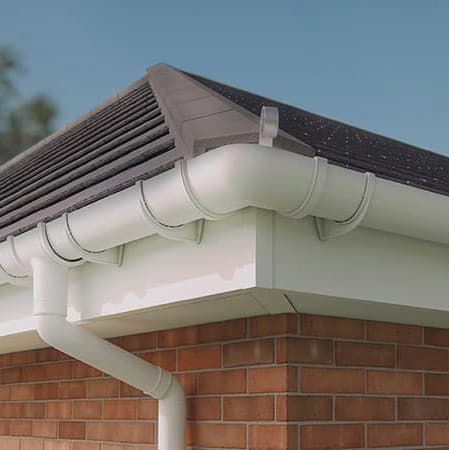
(209, 186)
(50, 282)
(223, 181)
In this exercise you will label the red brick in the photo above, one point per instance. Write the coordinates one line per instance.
(364, 408)
(9, 444)
(5, 393)
(272, 379)
(129, 391)
(57, 445)
(436, 336)
(22, 392)
(437, 433)
(222, 331)
(394, 332)
(331, 327)
(86, 446)
(248, 353)
(107, 388)
(72, 430)
(248, 408)
(178, 337)
(87, 409)
(4, 427)
(81, 370)
(134, 432)
(32, 444)
(263, 326)
(11, 410)
(392, 382)
(222, 435)
(145, 341)
(358, 354)
(316, 379)
(332, 437)
(423, 409)
(59, 410)
(189, 382)
(46, 391)
(45, 428)
(423, 358)
(302, 350)
(304, 408)
(165, 359)
(126, 447)
(271, 437)
(20, 428)
(18, 358)
(33, 410)
(204, 408)
(50, 371)
(73, 389)
(203, 357)
(436, 384)
(147, 409)
(11, 375)
(120, 409)
(50, 354)
(389, 435)
(222, 382)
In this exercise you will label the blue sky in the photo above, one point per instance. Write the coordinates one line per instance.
(380, 64)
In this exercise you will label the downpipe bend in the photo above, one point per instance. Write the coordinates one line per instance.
(50, 282)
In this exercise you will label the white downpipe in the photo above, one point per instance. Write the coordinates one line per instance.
(50, 282)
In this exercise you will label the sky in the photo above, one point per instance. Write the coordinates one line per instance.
(382, 65)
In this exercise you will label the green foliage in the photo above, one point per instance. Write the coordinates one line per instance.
(22, 122)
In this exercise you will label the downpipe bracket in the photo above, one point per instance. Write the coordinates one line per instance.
(328, 229)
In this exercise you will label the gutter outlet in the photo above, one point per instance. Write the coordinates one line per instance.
(50, 282)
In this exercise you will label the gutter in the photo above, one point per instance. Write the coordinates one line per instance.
(175, 204)
(218, 183)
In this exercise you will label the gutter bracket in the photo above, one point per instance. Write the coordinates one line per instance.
(314, 193)
(328, 229)
(268, 125)
(50, 251)
(187, 232)
(114, 256)
(203, 210)
(15, 279)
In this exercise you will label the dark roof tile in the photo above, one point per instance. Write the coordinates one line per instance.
(348, 146)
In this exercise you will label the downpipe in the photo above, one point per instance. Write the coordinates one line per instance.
(50, 291)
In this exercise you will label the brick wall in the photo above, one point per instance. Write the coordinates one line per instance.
(278, 382)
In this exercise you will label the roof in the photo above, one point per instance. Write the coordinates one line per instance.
(348, 146)
(170, 114)
(124, 140)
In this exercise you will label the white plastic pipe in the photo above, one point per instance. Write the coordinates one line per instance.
(50, 282)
